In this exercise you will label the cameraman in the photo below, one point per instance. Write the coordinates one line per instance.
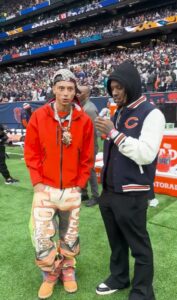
(3, 167)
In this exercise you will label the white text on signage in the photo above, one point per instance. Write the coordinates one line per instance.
(165, 185)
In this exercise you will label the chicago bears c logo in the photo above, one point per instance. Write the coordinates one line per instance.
(131, 122)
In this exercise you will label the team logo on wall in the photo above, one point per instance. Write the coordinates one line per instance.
(17, 114)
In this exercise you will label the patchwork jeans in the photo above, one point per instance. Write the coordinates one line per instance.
(53, 211)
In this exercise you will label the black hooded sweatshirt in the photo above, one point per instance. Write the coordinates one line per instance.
(127, 75)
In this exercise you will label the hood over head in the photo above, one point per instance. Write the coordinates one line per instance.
(127, 75)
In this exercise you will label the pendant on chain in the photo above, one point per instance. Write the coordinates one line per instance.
(66, 137)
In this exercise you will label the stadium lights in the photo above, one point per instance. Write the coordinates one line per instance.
(44, 61)
(135, 43)
(121, 47)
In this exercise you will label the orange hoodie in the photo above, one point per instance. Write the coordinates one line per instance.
(49, 161)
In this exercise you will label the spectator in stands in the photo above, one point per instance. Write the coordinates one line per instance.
(130, 156)
(91, 110)
(26, 114)
(3, 167)
(34, 93)
(17, 84)
(59, 148)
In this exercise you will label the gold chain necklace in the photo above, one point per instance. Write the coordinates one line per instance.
(66, 134)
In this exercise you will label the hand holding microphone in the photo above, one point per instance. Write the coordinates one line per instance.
(104, 125)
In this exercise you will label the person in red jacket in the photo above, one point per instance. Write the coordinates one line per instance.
(59, 153)
(26, 114)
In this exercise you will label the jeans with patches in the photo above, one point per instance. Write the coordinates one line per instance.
(55, 210)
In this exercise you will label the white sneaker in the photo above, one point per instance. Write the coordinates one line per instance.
(154, 202)
(103, 289)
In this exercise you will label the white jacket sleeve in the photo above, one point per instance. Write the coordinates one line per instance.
(144, 149)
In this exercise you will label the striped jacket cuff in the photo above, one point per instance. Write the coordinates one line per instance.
(119, 139)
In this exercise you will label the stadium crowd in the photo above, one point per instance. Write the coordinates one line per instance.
(157, 66)
(56, 16)
(59, 14)
(12, 9)
(108, 25)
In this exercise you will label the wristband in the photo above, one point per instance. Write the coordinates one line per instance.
(113, 134)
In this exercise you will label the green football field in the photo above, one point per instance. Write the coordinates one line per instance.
(20, 278)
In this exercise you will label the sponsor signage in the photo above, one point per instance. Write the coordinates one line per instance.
(34, 8)
(92, 38)
(165, 185)
(114, 33)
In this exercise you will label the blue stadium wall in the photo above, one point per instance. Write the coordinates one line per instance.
(10, 112)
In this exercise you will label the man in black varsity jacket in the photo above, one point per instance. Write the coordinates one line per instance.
(130, 155)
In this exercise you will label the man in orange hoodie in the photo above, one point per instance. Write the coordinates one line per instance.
(59, 152)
